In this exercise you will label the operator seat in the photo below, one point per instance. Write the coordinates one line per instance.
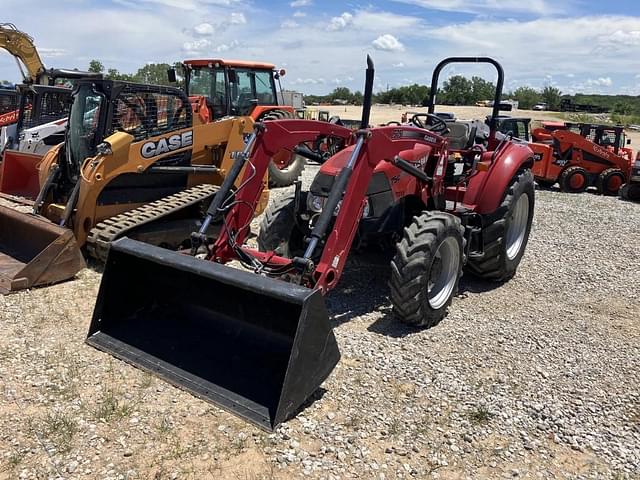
(458, 135)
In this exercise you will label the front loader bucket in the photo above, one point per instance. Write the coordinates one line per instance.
(19, 174)
(34, 252)
(254, 346)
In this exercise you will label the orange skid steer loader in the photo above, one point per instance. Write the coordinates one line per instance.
(133, 163)
(258, 341)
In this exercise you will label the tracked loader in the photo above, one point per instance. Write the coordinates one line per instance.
(133, 163)
(257, 340)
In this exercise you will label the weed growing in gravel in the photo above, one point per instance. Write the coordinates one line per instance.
(395, 427)
(112, 407)
(13, 460)
(164, 426)
(58, 428)
(480, 416)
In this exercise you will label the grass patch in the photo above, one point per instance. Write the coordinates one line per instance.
(112, 407)
(58, 428)
(480, 416)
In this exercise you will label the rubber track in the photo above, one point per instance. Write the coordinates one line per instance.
(101, 236)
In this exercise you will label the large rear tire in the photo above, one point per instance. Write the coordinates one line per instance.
(426, 269)
(506, 231)
(284, 175)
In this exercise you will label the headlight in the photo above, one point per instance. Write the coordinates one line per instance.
(314, 202)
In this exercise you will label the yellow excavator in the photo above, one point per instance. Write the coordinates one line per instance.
(134, 162)
(22, 47)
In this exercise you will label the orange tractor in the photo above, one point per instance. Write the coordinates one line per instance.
(581, 155)
(220, 88)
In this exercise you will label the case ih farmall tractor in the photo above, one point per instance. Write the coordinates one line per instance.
(258, 340)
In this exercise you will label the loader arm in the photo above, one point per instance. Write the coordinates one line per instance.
(21, 46)
(380, 144)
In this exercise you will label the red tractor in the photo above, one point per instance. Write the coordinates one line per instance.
(258, 341)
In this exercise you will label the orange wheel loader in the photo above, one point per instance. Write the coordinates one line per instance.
(133, 163)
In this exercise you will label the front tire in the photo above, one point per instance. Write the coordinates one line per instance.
(279, 231)
(574, 180)
(426, 269)
(506, 231)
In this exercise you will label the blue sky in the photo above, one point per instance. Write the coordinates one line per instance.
(575, 45)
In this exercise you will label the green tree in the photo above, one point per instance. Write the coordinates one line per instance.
(341, 93)
(481, 89)
(527, 97)
(154, 74)
(96, 66)
(551, 96)
(457, 90)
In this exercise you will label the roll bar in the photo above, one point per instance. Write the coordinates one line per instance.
(498, 95)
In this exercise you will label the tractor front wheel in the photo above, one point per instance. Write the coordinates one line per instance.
(279, 231)
(610, 181)
(506, 231)
(574, 180)
(426, 269)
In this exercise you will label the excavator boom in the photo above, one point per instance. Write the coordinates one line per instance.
(21, 46)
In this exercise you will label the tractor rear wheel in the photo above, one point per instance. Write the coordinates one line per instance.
(279, 231)
(506, 231)
(574, 180)
(286, 170)
(609, 181)
(630, 191)
(426, 269)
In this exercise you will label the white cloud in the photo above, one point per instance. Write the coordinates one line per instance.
(398, 65)
(289, 24)
(387, 42)
(196, 45)
(341, 22)
(602, 81)
(52, 52)
(238, 18)
(308, 81)
(540, 7)
(300, 3)
(204, 29)
(299, 14)
(624, 38)
(225, 47)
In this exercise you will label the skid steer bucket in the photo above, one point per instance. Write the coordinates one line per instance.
(255, 346)
(19, 174)
(34, 252)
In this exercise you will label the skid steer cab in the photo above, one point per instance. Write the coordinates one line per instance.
(263, 342)
(219, 88)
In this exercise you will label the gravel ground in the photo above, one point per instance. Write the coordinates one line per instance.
(535, 378)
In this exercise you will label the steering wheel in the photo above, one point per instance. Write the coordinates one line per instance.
(432, 122)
